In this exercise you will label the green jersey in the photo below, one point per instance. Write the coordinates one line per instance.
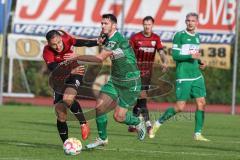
(184, 45)
(124, 66)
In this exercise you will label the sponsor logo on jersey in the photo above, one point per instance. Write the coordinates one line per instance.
(110, 44)
(147, 49)
(153, 43)
(193, 49)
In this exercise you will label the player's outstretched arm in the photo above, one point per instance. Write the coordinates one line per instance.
(88, 58)
(81, 42)
(86, 42)
(104, 54)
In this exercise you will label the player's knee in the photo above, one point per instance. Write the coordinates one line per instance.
(62, 117)
(61, 113)
(67, 100)
(180, 107)
(118, 117)
(201, 103)
(100, 109)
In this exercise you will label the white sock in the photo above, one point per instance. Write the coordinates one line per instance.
(148, 123)
(197, 133)
(158, 124)
(132, 126)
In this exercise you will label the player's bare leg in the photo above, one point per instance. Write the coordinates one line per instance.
(69, 98)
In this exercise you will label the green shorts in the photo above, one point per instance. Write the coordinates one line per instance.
(125, 93)
(190, 89)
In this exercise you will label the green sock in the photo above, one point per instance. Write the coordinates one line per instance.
(167, 114)
(199, 119)
(131, 119)
(102, 126)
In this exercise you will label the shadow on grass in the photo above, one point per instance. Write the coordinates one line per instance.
(198, 145)
(29, 144)
(38, 123)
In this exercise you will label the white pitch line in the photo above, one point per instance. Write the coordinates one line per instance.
(21, 144)
(164, 152)
(127, 150)
(16, 158)
(229, 142)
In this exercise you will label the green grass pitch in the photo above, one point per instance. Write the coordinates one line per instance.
(29, 133)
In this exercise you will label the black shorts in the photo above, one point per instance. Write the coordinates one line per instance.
(57, 97)
(146, 81)
(74, 81)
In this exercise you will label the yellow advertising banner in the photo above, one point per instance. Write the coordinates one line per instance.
(215, 55)
(31, 47)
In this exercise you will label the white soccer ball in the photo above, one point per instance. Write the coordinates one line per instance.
(72, 146)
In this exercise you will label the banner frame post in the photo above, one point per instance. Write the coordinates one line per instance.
(235, 61)
(5, 24)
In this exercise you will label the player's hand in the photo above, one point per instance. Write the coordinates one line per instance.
(102, 39)
(196, 55)
(143, 94)
(80, 70)
(164, 67)
(202, 65)
(68, 56)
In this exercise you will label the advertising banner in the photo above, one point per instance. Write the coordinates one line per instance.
(217, 20)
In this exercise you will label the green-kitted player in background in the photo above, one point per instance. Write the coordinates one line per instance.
(189, 79)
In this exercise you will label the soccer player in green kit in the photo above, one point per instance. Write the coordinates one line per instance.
(189, 79)
(124, 86)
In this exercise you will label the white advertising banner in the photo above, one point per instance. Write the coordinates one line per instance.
(82, 17)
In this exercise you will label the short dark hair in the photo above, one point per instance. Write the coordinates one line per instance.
(192, 14)
(52, 33)
(147, 18)
(111, 17)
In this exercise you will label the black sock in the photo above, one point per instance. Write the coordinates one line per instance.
(62, 130)
(77, 111)
(142, 103)
(136, 110)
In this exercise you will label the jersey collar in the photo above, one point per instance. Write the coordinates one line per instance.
(112, 34)
(146, 35)
(189, 33)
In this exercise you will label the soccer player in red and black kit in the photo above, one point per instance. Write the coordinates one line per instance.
(59, 49)
(145, 44)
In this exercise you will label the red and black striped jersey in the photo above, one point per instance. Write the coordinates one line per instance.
(50, 55)
(145, 49)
